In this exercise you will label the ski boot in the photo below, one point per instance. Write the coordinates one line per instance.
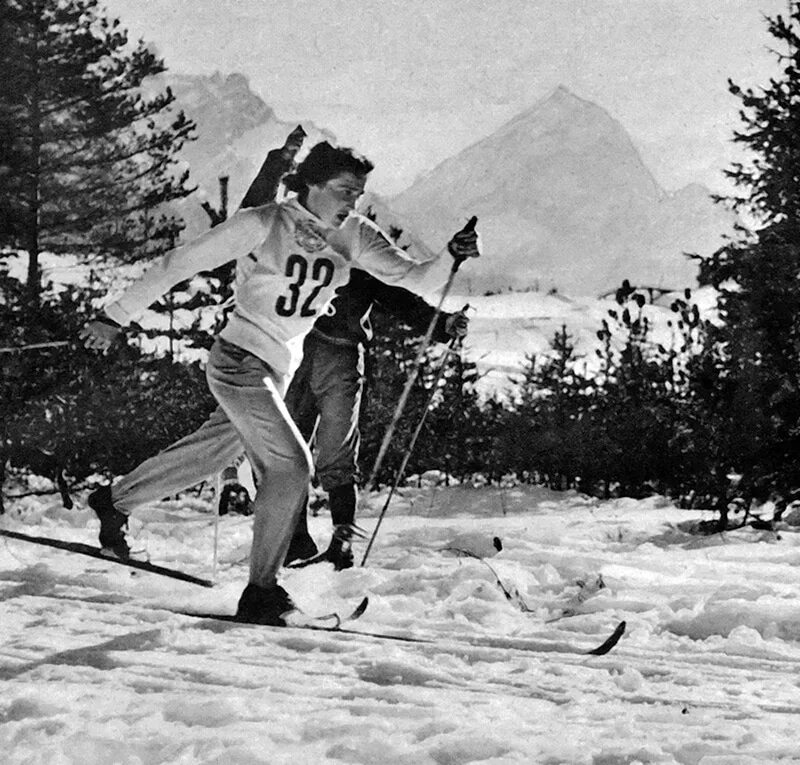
(264, 605)
(340, 549)
(112, 523)
(342, 500)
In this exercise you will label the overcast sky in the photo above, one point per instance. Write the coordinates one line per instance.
(410, 82)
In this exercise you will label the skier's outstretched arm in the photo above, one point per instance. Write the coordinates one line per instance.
(382, 258)
(232, 239)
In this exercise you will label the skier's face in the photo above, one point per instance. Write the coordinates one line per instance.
(333, 200)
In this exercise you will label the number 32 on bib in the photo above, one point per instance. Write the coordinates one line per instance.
(308, 280)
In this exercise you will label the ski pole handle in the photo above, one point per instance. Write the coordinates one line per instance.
(458, 250)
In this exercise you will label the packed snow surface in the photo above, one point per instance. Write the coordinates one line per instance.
(98, 669)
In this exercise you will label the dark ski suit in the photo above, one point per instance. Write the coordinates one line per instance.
(329, 383)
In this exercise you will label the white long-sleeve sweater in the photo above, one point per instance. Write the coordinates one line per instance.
(288, 265)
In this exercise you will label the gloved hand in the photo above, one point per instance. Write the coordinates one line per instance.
(293, 142)
(100, 334)
(465, 243)
(457, 324)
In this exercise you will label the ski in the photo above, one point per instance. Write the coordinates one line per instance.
(334, 623)
(98, 552)
(327, 622)
(518, 644)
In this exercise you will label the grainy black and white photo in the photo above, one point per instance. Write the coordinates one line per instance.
(399, 382)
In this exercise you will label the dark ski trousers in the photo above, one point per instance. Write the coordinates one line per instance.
(328, 386)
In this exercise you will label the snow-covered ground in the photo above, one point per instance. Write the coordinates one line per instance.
(97, 670)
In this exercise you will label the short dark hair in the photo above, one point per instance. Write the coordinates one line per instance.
(324, 162)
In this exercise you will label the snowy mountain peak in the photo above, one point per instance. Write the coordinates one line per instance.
(564, 201)
(222, 105)
(560, 106)
(561, 101)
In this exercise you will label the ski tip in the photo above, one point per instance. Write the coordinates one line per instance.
(360, 608)
(610, 642)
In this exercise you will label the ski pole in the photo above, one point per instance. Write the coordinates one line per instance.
(402, 469)
(216, 530)
(412, 375)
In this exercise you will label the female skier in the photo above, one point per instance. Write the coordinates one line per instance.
(291, 257)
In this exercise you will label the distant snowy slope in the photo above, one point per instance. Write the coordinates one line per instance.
(504, 329)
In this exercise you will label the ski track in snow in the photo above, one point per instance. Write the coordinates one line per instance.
(97, 670)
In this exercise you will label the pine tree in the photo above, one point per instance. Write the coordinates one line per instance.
(539, 434)
(757, 349)
(87, 413)
(453, 438)
(87, 156)
(390, 358)
(639, 401)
